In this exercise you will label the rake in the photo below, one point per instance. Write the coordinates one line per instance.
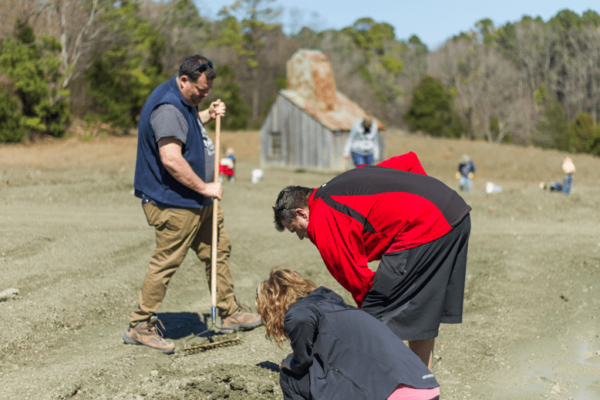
(212, 343)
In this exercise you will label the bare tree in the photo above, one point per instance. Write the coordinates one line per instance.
(25, 11)
(75, 23)
(247, 35)
(77, 31)
(457, 64)
(589, 68)
(486, 87)
(8, 17)
(184, 28)
(531, 52)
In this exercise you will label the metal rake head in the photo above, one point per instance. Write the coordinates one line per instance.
(213, 344)
(211, 341)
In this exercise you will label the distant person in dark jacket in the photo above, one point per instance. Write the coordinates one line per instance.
(339, 352)
(465, 173)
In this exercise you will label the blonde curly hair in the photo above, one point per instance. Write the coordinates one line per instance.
(275, 295)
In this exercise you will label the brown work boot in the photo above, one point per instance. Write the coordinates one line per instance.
(148, 334)
(240, 320)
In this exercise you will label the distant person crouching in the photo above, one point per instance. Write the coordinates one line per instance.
(339, 352)
(568, 169)
(363, 142)
(227, 166)
(465, 173)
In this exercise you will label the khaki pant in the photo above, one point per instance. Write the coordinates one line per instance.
(178, 230)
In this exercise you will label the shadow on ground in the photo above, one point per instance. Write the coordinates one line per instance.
(184, 324)
(271, 366)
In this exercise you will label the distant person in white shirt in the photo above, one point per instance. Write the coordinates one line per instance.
(363, 142)
(568, 169)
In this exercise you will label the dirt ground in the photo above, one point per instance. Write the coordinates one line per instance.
(75, 242)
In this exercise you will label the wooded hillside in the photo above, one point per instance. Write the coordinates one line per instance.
(529, 82)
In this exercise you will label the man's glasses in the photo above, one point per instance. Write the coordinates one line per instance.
(205, 66)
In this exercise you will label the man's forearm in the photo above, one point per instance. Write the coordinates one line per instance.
(180, 169)
(183, 173)
(205, 116)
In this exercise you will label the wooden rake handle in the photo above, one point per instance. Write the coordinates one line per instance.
(215, 230)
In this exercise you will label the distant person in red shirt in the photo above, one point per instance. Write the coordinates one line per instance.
(417, 226)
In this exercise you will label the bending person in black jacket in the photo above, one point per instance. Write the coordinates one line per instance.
(339, 352)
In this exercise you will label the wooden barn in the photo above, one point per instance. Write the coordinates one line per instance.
(308, 124)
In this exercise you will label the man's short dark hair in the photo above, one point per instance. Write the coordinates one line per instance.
(195, 66)
(289, 199)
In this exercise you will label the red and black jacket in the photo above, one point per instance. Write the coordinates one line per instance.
(366, 212)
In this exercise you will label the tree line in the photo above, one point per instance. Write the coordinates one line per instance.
(531, 82)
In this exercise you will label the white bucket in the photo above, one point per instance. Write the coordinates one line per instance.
(491, 188)
(257, 175)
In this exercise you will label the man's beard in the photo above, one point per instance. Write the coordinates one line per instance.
(196, 99)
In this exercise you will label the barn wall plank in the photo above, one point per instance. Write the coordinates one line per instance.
(305, 142)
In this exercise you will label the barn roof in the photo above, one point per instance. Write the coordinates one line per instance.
(311, 86)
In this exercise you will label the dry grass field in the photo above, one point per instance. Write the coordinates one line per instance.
(75, 242)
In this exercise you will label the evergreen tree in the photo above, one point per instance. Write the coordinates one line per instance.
(33, 65)
(583, 132)
(381, 63)
(432, 110)
(226, 89)
(553, 129)
(125, 74)
(244, 26)
(11, 126)
(595, 146)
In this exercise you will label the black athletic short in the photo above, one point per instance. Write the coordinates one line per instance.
(417, 289)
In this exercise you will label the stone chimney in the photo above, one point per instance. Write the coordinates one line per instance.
(309, 73)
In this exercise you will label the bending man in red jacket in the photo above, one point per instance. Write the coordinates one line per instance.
(417, 226)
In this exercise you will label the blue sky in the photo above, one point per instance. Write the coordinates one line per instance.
(434, 21)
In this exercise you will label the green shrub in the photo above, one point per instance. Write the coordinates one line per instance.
(226, 89)
(123, 76)
(595, 147)
(583, 132)
(11, 124)
(553, 129)
(34, 67)
(432, 110)
(496, 126)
